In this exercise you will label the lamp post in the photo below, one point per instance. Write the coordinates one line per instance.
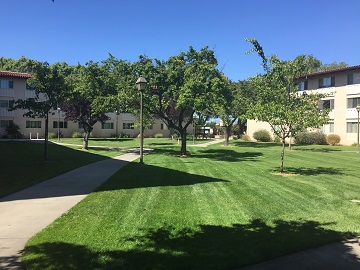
(358, 110)
(58, 109)
(141, 85)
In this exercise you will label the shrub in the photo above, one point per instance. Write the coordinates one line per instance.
(175, 136)
(77, 134)
(277, 139)
(245, 138)
(262, 135)
(51, 135)
(306, 137)
(12, 131)
(333, 139)
(189, 136)
(159, 135)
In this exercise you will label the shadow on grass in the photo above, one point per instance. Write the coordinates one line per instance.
(206, 247)
(255, 144)
(316, 149)
(111, 139)
(227, 155)
(143, 176)
(313, 171)
(216, 154)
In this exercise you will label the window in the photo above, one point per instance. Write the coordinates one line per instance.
(327, 82)
(5, 123)
(107, 125)
(33, 124)
(61, 124)
(149, 127)
(162, 126)
(303, 86)
(8, 104)
(328, 128)
(354, 78)
(128, 125)
(327, 104)
(353, 102)
(351, 127)
(6, 84)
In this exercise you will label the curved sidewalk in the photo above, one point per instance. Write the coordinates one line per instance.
(25, 213)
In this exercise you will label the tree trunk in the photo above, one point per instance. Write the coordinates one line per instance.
(290, 137)
(86, 140)
(183, 142)
(46, 137)
(282, 156)
(227, 135)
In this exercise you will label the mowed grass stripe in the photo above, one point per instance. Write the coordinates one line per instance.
(220, 208)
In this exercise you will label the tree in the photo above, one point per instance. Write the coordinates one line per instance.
(90, 98)
(331, 66)
(184, 84)
(278, 100)
(236, 106)
(49, 85)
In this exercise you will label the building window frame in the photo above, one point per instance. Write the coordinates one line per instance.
(33, 124)
(6, 84)
(5, 123)
(351, 127)
(353, 78)
(7, 104)
(353, 102)
(128, 125)
(62, 124)
(326, 82)
(107, 125)
(303, 86)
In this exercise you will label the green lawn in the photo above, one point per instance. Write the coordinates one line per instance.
(220, 208)
(23, 164)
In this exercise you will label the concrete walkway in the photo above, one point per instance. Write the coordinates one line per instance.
(25, 213)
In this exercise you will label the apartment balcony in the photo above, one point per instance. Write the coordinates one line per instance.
(353, 89)
(29, 93)
(5, 112)
(351, 113)
(6, 92)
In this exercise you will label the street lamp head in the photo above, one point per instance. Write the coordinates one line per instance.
(58, 109)
(358, 108)
(141, 84)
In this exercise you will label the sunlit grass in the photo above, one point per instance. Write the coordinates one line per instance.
(220, 208)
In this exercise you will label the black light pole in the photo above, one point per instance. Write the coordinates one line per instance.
(358, 125)
(141, 85)
(58, 109)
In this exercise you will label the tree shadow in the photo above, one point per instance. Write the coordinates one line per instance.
(322, 150)
(256, 144)
(314, 171)
(111, 139)
(80, 182)
(144, 176)
(204, 247)
(227, 155)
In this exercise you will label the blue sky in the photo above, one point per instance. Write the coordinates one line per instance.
(75, 31)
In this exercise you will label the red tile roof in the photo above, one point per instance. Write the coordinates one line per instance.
(330, 71)
(15, 74)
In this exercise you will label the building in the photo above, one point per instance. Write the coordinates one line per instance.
(343, 89)
(13, 86)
